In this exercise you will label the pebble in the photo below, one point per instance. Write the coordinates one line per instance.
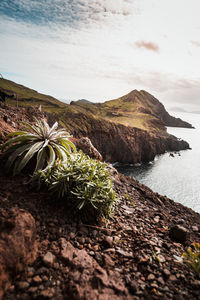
(172, 278)
(166, 272)
(32, 289)
(125, 254)
(23, 285)
(48, 259)
(195, 228)
(151, 277)
(37, 279)
(108, 242)
(178, 233)
(160, 280)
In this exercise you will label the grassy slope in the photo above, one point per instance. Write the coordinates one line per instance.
(133, 109)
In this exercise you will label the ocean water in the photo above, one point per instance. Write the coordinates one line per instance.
(176, 177)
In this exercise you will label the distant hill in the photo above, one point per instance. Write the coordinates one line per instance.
(83, 101)
(137, 109)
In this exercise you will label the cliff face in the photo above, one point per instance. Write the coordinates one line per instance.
(117, 142)
(160, 111)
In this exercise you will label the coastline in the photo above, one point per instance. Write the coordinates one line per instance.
(137, 254)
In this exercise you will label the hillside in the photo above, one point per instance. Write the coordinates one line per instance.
(137, 109)
(116, 142)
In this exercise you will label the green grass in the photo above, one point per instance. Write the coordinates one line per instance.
(28, 96)
(124, 110)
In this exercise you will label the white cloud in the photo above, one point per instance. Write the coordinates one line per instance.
(88, 49)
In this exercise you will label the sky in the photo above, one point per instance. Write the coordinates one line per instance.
(102, 49)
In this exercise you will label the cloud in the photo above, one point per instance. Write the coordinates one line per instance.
(147, 45)
(195, 43)
(72, 13)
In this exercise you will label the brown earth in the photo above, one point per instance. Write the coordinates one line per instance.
(137, 254)
(134, 255)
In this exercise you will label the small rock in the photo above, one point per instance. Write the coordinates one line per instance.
(151, 277)
(48, 259)
(133, 286)
(195, 228)
(196, 283)
(166, 272)
(178, 233)
(37, 279)
(160, 280)
(180, 221)
(45, 278)
(96, 247)
(72, 235)
(161, 258)
(154, 285)
(124, 253)
(56, 265)
(94, 233)
(157, 219)
(108, 261)
(32, 289)
(12, 288)
(172, 278)
(108, 242)
(23, 285)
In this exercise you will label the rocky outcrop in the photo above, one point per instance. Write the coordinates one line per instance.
(18, 246)
(160, 112)
(84, 144)
(120, 143)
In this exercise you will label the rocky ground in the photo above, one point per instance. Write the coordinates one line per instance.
(48, 253)
(134, 255)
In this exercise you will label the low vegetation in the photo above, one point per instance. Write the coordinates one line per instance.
(82, 182)
(192, 258)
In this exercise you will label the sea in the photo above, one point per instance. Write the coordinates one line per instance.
(177, 176)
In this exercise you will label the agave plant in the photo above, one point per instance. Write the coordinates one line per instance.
(47, 144)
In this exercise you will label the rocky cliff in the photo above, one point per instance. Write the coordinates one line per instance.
(117, 142)
(128, 130)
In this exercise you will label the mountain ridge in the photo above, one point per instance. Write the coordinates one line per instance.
(137, 109)
(116, 141)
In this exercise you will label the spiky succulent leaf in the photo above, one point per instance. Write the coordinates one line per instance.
(40, 140)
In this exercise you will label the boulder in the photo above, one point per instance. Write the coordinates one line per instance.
(87, 147)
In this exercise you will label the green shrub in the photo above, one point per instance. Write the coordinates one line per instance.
(192, 258)
(82, 182)
(45, 144)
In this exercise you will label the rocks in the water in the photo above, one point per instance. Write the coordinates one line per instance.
(179, 233)
(18, 246)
